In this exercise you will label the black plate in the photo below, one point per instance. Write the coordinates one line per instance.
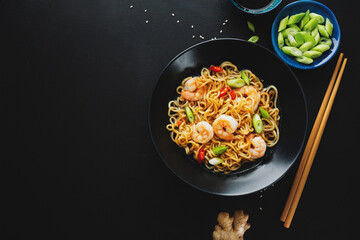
(267, 66)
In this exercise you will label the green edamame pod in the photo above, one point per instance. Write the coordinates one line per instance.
(189, 114)
(292, 40)
(280, 40)
(329, 27)
(254, 39)
(293, 19)
(292, 51)
(323, 31)
(288, 31)
(305, 19)
(251, 26)
(219, 150)
(257, 123)
(321, 48)
(312, 23)
(312, 54)
(306, 46)
(245, 77)
(283, 23)
(326, 41)
(319, 18)
(304, 60)
(236, 83)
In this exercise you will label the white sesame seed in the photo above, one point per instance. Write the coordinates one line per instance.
(145, 10)
(131, 6)
(224, 24)
(201, 37)
(146, 21)
(173, 15)
(226, 20)
(193, 36)
(192, 26)
(220, 31)
(260, 208)
(177, 21)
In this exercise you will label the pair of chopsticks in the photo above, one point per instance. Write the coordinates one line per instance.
(312, 144)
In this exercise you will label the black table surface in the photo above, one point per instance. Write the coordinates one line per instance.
(77, 159)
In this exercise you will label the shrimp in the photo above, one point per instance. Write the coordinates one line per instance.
(224, 127)
(192, 90)
(202, 132)
(258, 146)
(252, 97)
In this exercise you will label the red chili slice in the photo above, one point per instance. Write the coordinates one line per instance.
(223, 91)
(215, 69)
(201, 155)
(232, 94)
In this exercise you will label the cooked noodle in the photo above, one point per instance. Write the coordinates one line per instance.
(211, 106)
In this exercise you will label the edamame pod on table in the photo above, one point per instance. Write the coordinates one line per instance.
(189, 114)
(323, 31)
(236, 83)
(293, 19)
(304, 60)
(317, 17)
(305, 19)
(321, 48)
(312, 54)
(292, 51)
(311, 25)
(329, 27)
(280, 40)
(283, 23)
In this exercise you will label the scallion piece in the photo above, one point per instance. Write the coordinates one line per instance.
(321, 48)
(292, 51)
(257, 123)
(254, 39)
(304, 60)
(311, 25)
(251, 26)
(295, 18)
(236, 83)
(312, 54)
(329, 27)
(189, 114)
(283, 23)
(317, 17)
(216, 161)
(305, 19)
(264, 113)
(219, 150)
(280, 40)
(245, 77)
(323, 31)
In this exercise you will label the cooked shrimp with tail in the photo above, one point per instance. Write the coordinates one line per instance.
(192, 90)
(224, 127)
(202, 132)
(258, 146)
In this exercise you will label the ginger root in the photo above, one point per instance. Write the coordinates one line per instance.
(231, 228)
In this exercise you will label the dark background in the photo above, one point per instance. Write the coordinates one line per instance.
(77, 161)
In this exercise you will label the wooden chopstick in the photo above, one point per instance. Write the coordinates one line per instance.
(312, 145)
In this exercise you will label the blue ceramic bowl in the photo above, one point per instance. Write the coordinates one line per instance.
(267, 8)
(303, 6)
